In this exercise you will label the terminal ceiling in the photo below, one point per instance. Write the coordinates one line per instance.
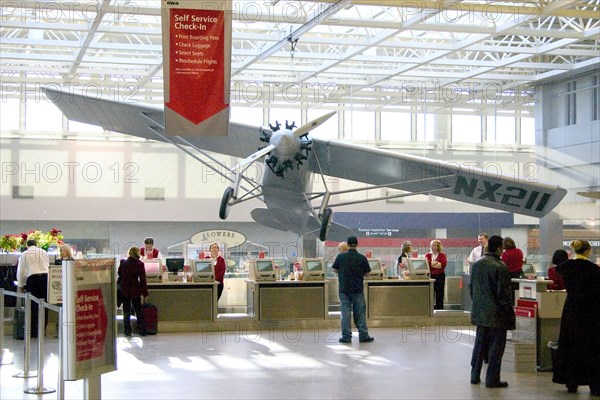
(387, 55)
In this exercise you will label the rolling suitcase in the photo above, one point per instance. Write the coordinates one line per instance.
(19, 323)
(150, 312)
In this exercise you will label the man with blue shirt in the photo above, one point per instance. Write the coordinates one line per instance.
(351, 268)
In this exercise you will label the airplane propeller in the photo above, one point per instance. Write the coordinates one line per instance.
(288, 153)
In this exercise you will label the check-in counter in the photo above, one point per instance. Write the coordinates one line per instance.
(393, 298)
(182, 304)
(533, 293)
(287, 300)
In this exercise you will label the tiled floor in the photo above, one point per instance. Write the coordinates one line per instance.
(402, 363)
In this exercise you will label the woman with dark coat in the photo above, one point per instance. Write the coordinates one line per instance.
(132, 280)
(578, 354)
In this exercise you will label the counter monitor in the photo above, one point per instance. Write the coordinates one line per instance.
(265, 266)
(529, 270)
(312, 269)
(376, 270)
(419, 269)
(262, 269)
(203, 270)
(175, 265)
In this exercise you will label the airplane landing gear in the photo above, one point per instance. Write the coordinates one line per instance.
(325, 221)
(225, 206)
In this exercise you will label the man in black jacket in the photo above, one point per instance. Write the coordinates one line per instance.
(492, 313)
(351, 268)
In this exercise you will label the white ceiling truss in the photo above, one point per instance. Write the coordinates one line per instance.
(388, 55)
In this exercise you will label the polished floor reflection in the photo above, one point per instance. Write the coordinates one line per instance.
(402, 363)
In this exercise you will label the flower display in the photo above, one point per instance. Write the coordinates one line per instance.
(45, 240)
(10, 243)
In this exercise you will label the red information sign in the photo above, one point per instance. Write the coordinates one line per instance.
(196, 71)
(91, 323)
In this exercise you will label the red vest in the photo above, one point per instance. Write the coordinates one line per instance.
(154, 252)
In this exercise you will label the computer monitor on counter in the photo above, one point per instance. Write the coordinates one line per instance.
(175, 265)
(262, 269)
(313, 269)
(203, 270)
(153, 268)
(419, 269)
(529, 270)
(376, 269)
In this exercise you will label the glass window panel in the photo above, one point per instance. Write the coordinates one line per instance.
(396, 126)
(501, 130)
(359, 125)
(327, 130)
(247, 115)
(74, 126)
(425, 127)
(528, 131)
(466, 128)
(9, 110)
(42, 116)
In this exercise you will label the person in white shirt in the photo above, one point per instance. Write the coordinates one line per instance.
(478, 251)
(32, 276)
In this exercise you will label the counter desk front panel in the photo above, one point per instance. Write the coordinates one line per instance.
(390, 298)
(184, 302)
(287, 300)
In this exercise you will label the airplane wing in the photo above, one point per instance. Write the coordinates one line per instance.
(336, 158)
(144, 121)
(422, 175)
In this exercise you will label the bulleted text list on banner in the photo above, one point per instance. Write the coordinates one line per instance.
(197, 67)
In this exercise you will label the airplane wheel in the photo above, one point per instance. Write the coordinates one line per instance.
(225, 206)
(325, 220)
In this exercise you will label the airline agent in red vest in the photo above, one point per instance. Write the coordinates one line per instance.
(149, 249)
(437, 266)
(149, 252)
(220, 267)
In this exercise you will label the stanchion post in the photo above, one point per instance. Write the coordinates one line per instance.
(60, 392)
(2, 362)
(26, 372)
(40, 389)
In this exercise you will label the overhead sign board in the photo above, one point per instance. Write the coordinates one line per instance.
(196, 66)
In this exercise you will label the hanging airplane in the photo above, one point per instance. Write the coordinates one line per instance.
(291, 157)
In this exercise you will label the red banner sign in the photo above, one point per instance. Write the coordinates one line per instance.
(197, 59)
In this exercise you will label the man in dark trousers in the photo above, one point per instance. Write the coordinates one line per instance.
(351, 268)
(32, 275)
(492, 313)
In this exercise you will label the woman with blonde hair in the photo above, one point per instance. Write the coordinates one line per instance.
(404, 261)
(65, 252)
(437, 261)
(578, 354)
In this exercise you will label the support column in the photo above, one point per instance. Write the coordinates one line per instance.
(309, 246)
(551, 237)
